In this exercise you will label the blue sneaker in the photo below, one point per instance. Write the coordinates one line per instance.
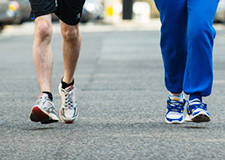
(197, 112)
(175, 109)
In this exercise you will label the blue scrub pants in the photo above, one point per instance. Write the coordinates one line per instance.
(187, 38)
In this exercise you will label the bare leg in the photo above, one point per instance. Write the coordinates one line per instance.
(71, 49)
(42, 51)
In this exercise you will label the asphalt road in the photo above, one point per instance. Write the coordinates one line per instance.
(121, 98)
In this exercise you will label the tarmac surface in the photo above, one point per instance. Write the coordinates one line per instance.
(121, 98)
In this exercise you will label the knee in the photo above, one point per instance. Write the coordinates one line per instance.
(201, 31)
(43, 30)
(71, 34)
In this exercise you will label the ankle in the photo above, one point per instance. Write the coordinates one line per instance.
(49, 95)
(195, 96)
(65, 85)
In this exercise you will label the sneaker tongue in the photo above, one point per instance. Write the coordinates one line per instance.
(177, 99)
(195, 101)
(44, 95)
(69, 88)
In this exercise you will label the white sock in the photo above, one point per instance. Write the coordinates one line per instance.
(177, 97)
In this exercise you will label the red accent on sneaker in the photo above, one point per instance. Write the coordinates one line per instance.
(40, 95)
(39, 113)
(68, 122)
(70, 87)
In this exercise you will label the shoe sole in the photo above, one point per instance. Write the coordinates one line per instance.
(201, 117)
(38, 115)
(174, 121)
(188, 118)
(68, 121)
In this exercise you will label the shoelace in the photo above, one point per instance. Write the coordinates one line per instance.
(41, 100)
(174, 105)
(194, 106)
(69, 96)
(47, 104)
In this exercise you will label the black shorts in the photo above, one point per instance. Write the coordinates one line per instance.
(69, 11)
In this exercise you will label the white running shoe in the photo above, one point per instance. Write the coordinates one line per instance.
(69, 110)
(43, 111)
